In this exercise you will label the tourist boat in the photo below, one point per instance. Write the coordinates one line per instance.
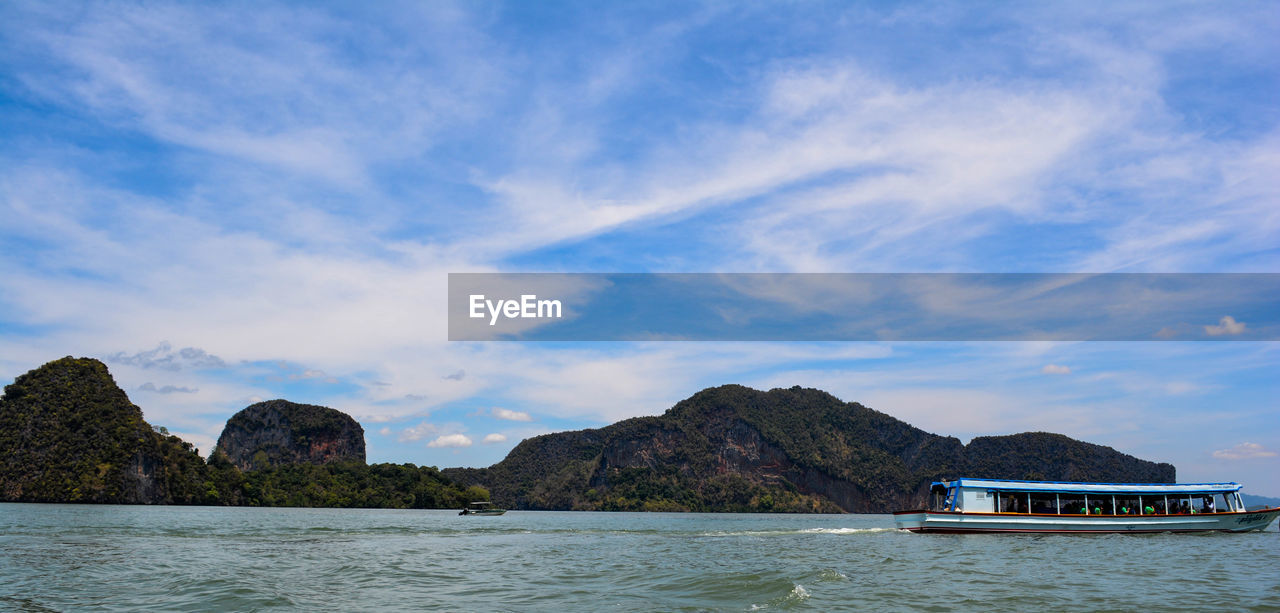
(991, 505)
(482, 508)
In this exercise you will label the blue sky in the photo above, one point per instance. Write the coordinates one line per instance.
(260, 200)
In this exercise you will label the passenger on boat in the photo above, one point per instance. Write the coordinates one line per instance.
(1149, 510)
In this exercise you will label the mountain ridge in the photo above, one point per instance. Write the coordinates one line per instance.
(68, 433)
(734, 448)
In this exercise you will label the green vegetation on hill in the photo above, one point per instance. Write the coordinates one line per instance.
(732, 448)
(68, 433)
(1054, 457)
(339, 484)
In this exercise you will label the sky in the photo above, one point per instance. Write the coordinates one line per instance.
(248, 201)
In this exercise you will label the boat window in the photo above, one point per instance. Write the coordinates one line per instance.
(1036, 503)
(1147, 504)
(1158, 503)
(1222, 502)
(1073, 504)
(1101, 505)
(1127, 505)
(1011, 502)
(1208, 503)
(1179, 505)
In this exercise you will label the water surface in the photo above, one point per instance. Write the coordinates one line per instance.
(77, 557)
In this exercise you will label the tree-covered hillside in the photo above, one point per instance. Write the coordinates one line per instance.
(732, 448)
(68, 433)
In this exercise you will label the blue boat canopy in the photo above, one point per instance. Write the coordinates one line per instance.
(1092, 488)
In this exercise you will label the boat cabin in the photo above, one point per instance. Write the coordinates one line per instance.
(1066, 498)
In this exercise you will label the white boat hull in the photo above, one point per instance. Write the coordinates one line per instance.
(954, 521)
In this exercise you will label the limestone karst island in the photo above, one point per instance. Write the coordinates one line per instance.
(68, 433)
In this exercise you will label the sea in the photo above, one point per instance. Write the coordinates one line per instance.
(172, 558)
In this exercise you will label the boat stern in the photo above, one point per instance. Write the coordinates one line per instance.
(910, 520)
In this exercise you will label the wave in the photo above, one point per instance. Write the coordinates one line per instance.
(793, 532)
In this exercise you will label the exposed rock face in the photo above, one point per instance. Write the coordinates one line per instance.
(279, 432)
(801, 445)
(68, 433)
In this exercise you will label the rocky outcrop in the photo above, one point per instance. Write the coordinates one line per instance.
(68, 433)
(278, 432)
(803, 447)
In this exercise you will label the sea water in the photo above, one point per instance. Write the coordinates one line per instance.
(86, 557)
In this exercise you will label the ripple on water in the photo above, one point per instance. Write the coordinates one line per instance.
(65, 558)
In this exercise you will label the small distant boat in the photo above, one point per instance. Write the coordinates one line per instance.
(993, 505)
(482, 508)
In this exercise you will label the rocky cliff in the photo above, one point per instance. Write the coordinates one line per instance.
(279, 432)
(732, 448)
(68, 433)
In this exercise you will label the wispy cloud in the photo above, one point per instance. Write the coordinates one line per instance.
(490, 439)
(1244, 451)
(164, 357)
(269, 91)
(167, 389)
(1056, 369)
(508, 414)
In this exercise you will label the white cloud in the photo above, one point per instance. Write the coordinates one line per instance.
(1244, 451)
(495, 437)
(417, 432)
(1056, 369)
(451, 440)
(1226, 325)
(913, 157)
(164, 357)
(510, 415)
(203, 80)
(167, 389)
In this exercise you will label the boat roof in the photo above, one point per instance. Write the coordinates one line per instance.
(1072, 486)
